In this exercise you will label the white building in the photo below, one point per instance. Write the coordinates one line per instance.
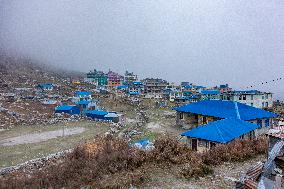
(252, 98)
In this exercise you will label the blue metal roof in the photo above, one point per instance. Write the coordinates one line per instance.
(137, 83)
(134, 93)
(210, 92)
(97, 112)
(46, 85)
(222, 131)
(225, 109)
(191, 97)
(200, 87)
(224, 86)
(188, 87)
(122, 87)
(84, 102)
(143, 142)
(83, 93)
(64, 108)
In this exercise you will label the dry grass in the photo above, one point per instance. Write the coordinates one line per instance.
(110, 163)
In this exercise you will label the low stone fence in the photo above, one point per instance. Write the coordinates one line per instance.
(35, 164)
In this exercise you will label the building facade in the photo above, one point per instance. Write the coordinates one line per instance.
(129, 78)
(210, 95)
(99, 78)
(114, 79)
(253, 98)
(154, 85)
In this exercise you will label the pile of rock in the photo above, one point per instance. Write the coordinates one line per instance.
(35, 164)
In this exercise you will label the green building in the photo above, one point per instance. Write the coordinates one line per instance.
(97, 77)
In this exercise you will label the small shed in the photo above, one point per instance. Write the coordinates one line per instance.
(83, 94)
(96, 114)
(112, 116)
(67, 109)
(46, 86)
(83, 104)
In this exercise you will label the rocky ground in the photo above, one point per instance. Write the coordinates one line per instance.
(224, 177)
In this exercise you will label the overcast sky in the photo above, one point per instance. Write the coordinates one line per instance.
(204, 42)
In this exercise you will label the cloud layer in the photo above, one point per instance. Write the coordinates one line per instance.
(205, 42)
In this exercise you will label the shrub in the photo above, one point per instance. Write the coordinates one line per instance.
(108, 162)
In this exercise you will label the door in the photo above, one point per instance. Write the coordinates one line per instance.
(194, 144)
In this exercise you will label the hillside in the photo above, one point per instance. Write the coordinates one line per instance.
(24, 72)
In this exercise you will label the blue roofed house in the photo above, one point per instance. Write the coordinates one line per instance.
(199, 88)
(210, 95)
(83, 95)
(104, 115)
(96, 114)
(68, 109)
(122, 87)
(207, 115)
(86, 105)
(82, 99)
(135, 88)
(46, 86)
(222, 131)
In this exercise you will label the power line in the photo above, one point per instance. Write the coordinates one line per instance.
(266, 82)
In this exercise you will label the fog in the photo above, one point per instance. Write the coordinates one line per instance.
(205, 42)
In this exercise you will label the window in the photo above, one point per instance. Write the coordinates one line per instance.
(196, 116)
(244, 97)
(251, 97)
(203, 143)
(240, 97)
(251, 135)
(212, 144)
(267, 124)
(204, 120)
(259, 122)
(206, 144)
(181, 115)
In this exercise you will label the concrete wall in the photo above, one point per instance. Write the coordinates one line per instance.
(263, 100)
(190, 121)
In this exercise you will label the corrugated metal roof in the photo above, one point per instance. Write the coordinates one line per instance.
(64, 108)
(225, 109)
(210, 92)
(137, 83)
(97, 112)
(83, 93)
(122, 87)
(84, 102)
(221, 131)
(111, 114)
(200, 87)
(134, 93)
(188, 86)
(46, 85)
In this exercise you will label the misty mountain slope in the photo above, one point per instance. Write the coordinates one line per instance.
(23, 72)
